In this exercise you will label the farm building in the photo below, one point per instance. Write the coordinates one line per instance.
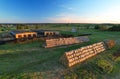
(23, 34)
(46, 32)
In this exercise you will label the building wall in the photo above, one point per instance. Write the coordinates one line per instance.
(49, 33)
(26, 35)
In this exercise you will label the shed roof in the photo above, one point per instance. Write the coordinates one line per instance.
(44, 30)
(18, 32)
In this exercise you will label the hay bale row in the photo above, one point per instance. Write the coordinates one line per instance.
(60, 41)
(74, 57)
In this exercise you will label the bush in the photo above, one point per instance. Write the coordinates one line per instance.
(102, 27)
(96, 27)
(3, 29)
(117, 53)
(85, 74)
(71, 76)
(104, 65)
(115, 28)
(81, 73)
(117, 60)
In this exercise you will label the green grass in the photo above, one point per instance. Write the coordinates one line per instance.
(32, 61)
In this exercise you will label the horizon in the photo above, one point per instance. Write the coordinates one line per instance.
(60, 11)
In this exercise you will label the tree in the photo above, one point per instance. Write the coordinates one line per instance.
(102, 27)
(96, 27)
(36, 27)
(115, 28)
(26, 27)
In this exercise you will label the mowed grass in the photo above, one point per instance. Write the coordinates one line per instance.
(32, 61)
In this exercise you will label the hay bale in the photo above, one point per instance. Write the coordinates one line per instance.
(74, 57)
(109, 44)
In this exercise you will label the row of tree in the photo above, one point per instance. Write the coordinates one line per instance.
(111, 27)
(23, 27)
(115, 27)
(38, 26)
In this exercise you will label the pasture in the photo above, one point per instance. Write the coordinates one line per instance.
(32, 61)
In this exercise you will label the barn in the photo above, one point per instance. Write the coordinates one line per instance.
(46, 32)
(23, 34)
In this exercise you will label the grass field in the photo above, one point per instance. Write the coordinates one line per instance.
(32, 61)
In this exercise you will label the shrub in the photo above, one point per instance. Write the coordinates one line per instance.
(67, 77)
(96, 27)
(71, 76)
(115, 28)
(117, 53)
(85, 74)
(104, 65)
(2, 29)
(117, 60)
(102, 27)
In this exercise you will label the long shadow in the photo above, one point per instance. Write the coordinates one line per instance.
(39, 65)
(48, 63)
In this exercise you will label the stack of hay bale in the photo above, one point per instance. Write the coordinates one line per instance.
(74, 57)
(50, 43)
(64, 41)
(68, 41)
(60, 41)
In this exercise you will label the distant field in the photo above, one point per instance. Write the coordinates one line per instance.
(32, 61)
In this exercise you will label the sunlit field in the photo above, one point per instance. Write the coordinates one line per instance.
(32, 61)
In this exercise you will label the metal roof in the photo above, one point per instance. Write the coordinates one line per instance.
(18, 32)
(45, 30)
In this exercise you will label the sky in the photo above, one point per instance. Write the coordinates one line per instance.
(59, 11)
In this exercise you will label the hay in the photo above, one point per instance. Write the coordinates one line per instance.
(64, 41)
(77, 56)
(110, 44)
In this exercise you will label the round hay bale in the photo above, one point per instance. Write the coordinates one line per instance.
(110, 44)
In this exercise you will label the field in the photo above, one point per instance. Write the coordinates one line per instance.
(32, 61)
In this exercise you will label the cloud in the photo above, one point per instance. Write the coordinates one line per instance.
(67, 7)
(110, 15)
(71, 18)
